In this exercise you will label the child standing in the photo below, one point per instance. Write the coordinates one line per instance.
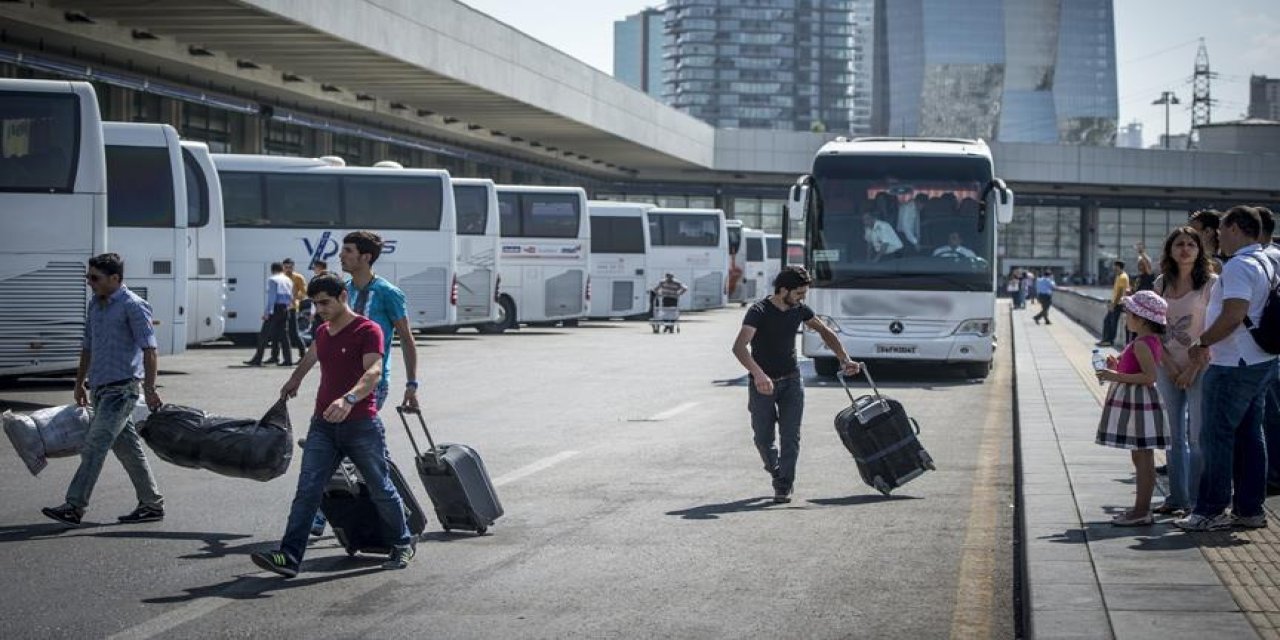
(1133, 417)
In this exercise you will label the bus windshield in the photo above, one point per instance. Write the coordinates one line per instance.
(472, 204)
(684, 230)
(901, 222)
(39, 142)
(611, 234)
(735, 239)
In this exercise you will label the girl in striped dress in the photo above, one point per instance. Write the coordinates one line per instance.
(1133, 417)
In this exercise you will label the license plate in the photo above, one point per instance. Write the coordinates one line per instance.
(896, 349)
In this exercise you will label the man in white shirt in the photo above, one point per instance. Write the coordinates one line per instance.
(1271, 423)
(1235, 383)
(909, 219)
(882, 240)
(954, 248)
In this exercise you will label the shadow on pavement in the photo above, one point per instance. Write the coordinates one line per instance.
(714, 511)
(1161, 536)
(866, 498)
(254, 587)
(215, 544)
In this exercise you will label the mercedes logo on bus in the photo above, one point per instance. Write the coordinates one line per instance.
(895, 327)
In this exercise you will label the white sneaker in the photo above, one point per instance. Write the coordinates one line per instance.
(1250, 522)
(1197, 522)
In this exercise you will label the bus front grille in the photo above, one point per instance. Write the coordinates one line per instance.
(43, 321)
(426, 295)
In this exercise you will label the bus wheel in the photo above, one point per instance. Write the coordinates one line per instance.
(977, 370)
(571, 322)
(827, 367)
(506, 318)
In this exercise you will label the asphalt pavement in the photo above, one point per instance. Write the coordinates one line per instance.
(636, 506)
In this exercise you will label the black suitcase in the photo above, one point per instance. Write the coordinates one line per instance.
(882, 438)
(350, 510)
(456, 481)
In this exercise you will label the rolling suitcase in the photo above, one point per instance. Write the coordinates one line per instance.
(456, 481)
(882, 439)
(350, 510)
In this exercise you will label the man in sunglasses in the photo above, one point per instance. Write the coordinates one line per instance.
(117, 365)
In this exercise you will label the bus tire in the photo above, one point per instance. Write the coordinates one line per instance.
(826, 367)
(978, 370)
(571, 322)
(506, 318)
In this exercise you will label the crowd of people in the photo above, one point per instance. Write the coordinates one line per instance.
(1193, 377)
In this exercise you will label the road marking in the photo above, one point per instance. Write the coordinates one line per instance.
(528, 470)
(671, 412)
(975, 590)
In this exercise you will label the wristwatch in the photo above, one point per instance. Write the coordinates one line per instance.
(412, 384)
(351, 399)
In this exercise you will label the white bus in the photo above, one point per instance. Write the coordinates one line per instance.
(733, 286)
(476, 258)
(280, 207)
(53, 199)
(147, 222)
(546, 237)
(619, 263)
(773, 253)
(753, 284)
(795, 252)
(206, 237)
(692, 245)
(903, 304)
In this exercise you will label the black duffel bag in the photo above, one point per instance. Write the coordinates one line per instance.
(236, 447)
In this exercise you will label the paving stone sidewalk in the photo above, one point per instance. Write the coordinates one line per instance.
(1088, 579)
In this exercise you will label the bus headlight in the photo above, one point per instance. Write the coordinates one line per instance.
(975, 327)
(831, 323)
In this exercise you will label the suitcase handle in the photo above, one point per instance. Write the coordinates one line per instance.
(915, 424)
(866, 372)
(423, 421)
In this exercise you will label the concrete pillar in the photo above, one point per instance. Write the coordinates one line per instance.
(324, 143)
(119, 107)
(248, 136)
(1089, 241)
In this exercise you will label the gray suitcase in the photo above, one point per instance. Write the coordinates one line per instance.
(456, 481)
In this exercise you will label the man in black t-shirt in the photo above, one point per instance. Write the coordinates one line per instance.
(776, 394)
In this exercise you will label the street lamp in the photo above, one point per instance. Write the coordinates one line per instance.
(1167, 99)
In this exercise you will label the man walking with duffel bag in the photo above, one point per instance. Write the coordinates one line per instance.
(776, 392)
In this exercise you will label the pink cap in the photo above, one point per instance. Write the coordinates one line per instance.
(1147, 304)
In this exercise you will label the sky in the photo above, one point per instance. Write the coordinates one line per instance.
(1156, 44)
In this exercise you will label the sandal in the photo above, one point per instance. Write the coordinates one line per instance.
(1130, 520)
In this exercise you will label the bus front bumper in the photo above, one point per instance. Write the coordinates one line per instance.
(962, 348)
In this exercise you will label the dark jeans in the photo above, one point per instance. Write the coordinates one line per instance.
(784, 409)
(1046, 303)
(1111, 323)
(1019, 300)
(1271, 427)
(273, 332)
(380, 397)
(1235, 455)
(291, 330)
(364, 443)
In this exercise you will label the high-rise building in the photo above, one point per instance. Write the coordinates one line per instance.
(1130, 135)
(771, 64)
(637, 51)
(1009, 70)
(1264, 97)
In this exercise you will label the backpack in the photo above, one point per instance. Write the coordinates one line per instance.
(1267, 331)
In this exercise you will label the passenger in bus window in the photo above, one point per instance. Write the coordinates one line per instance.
(882, 240)
(909, 219)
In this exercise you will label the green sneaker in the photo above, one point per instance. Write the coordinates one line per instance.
(276, 562)
(400, 557)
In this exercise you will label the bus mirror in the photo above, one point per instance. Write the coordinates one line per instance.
(798, 200)
(1004, 207)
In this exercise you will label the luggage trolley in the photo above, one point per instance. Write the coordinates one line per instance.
(666, 314)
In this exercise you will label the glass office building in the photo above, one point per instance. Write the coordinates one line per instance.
(771, 64)
(637, 51)
(1010, 70)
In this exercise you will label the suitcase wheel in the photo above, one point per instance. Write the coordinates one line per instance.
(482, 530)
(927, 461)
(880, 485)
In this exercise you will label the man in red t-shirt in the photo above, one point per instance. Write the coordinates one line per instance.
(345, 423)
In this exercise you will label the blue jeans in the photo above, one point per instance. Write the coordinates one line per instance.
(785, 409)
(1186, 459)
(1234, 450)
(112, 430)
(364, 443)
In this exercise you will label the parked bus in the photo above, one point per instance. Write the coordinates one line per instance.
(206, 237)
(620, 275)
(546, 237)
(693, 245)
(147, 222)
(53, 197)
(476, 257)
(903, 304)
(795, 252)
(773, 256)
(733, 285)
(279, 207)
(754, 285)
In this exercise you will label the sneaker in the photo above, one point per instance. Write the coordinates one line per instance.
(284, 364)
(782, 495)
(318, 525)
(143, 514)
(1037, 319)
(1197, 522)
(253, 363)
(1250, 522)
(1102, 343)
(400, 557)
(276, 562)
(1131, 520)
(66, 514)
